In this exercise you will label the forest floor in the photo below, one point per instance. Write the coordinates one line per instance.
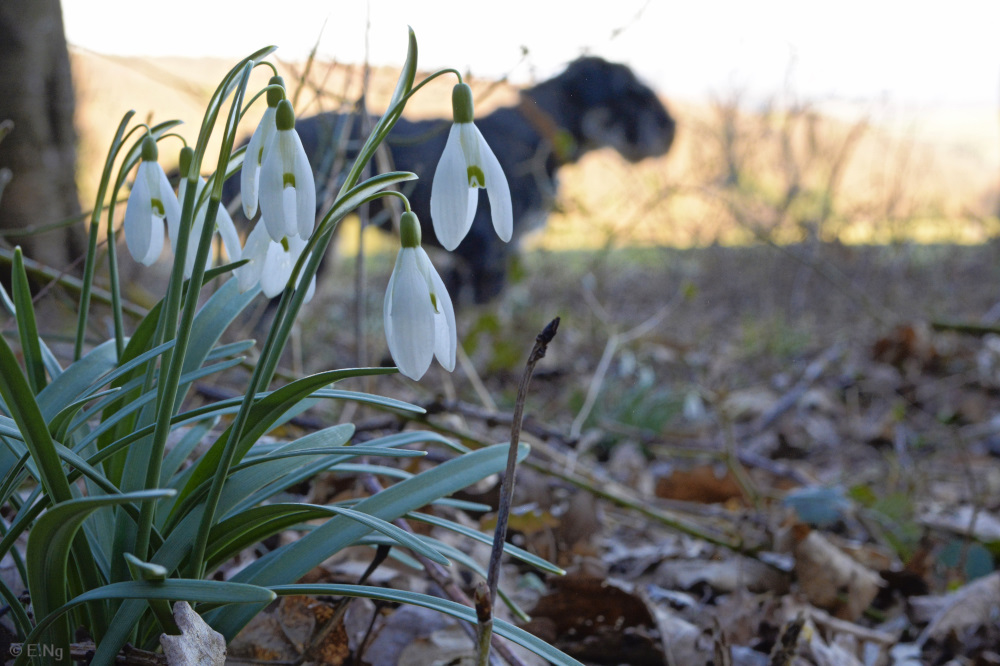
(742, 456)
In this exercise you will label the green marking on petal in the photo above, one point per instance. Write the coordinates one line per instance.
(158, 209)
(284, 243)
(434, 302)
(476, 177)
(289, 180)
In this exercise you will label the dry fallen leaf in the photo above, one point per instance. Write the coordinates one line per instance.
(964, 610)
(198, 644)
(830, 578)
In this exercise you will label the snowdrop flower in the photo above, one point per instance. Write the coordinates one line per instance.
(287, 187)
(418, 315)
(467, 164)
(254, 156)
(151, 200)
(270, 263)
(223, 222)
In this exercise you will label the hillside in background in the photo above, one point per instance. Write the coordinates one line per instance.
(789, 171)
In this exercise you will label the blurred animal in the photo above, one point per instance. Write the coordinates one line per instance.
(592, 104)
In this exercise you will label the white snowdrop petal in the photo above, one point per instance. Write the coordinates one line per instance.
(271, 194)
(412, 344)
(387, 303)
(155, 242)
(471, 141)
(227, 231)
(445, 334)
(255, 250)
(138, 216)
(277, 269)
(450, 200)
(305, 190)
(250, 172)
(288, 209)
(171, 206)
(498, 192)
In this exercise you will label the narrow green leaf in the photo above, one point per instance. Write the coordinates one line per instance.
(17, 610)
(293, 561)
(246, 482)
(161, 607)
(27, 329)
(512, 550)
(456, 610)
(200, 591)
(457, 556)
(48, 552)
(267, 411)
(25, 411)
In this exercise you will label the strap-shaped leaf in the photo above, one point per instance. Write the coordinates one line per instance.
(20, 401)
(201, 591)
(293, 561)
(245, 482)
(512, 550)
(505, 629)
(49, 544)
(27, 329)
(267, 411)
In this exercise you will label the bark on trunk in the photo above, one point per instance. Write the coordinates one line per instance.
(36, 93)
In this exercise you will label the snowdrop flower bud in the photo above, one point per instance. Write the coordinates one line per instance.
(467, 164)
(151, 200)
(223, 222)
(270, 263)
(252, 159)
(287, 187)
(418, 314)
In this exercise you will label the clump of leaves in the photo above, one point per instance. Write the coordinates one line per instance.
(117, 523)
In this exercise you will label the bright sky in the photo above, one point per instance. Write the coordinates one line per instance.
(901, 51)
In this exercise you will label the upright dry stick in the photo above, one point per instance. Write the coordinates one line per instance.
(484, 606)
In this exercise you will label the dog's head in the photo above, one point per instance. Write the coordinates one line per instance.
(603, 104)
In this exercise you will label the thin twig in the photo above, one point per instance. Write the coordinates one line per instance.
(542, 341)
(441, 578)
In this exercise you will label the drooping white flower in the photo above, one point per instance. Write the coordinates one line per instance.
(270, 263)
(466, 165)
(418, 315)
(254, 156)
(223, 222)
(287, 186)
(150, 201)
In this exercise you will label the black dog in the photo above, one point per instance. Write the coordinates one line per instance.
(593, 104)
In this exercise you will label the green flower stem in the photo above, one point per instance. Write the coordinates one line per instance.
(95, 222)
(291, 303)
(384, 126)
(174, 358)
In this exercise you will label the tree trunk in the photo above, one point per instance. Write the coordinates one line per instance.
(36, 93)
